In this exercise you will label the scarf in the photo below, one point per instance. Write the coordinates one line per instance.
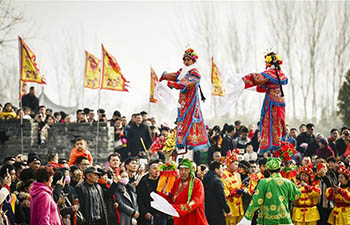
(185, 70)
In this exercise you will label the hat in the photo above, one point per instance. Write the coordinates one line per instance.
(92, 169)
(33, 157)
(191, 54)
(231, 157)
(324, 141)
(186, 163)
(102, 171)
(343, 170)
(273, 164)
(307, 169)
(244, 164)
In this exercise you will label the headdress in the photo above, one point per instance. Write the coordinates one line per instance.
(191, 53)
(272, 58)
(273, 164)
(343, 170)
(231, 157)
(186, 163)
(308, 170)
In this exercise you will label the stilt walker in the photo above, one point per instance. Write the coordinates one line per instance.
(190, 132)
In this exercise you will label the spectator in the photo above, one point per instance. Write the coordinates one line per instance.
(91, 199)
(144, 116)
(148, 184)
(83, 163)
(215, 201)
(294, 133)
(67, 119)
(91, 116)
(342, 144)
(53, 160)
(8, 112)
(116, 115)
(324, 150)
(201, 171)
(256, 140)
(250, 154)
(305, 137)
(217, 156)
(126, 198)
(288, 138)
(4, 192)
(238, 126)
(42, 111)
(81, 117)
(76, 175)
(43, 209)
(50, 121)
(34, 161)
(7, 171)
(135, 134)
(58, 117)
(332, 172)
(243, 138)
(228, 142)
(27, 114)
(79, 151)
(48, 112)
(131, 166)
(113, 168)
(251, 129)
(332, 139)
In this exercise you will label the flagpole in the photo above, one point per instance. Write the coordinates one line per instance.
(82, 101)
(20, 91)
(98, 105)
(149, 95)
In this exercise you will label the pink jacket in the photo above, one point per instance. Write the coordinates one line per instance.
(43, 209)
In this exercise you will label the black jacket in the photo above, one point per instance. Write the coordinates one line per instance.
(215, 201)
(340, 146)
(228, 143)
(84, 196)
(143, 190)
(134, 134)
(31, 102)
(304, 138)
(125, 196)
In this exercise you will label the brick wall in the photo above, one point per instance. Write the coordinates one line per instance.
(61, 139)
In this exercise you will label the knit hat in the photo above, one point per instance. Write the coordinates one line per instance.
(33, 157)
(273, 164)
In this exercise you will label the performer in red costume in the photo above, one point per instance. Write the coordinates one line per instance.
(191, 130)
(187, 197)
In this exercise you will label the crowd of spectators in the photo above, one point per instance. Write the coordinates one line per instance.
(77, 190)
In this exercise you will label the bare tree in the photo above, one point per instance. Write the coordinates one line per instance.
(341, 48)
(283, 18)
(9, 18)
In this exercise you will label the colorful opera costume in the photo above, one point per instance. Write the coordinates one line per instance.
(305, 210)
(341, 212)
(233, 189)
(188, 198)
(190, 131)
(272, 196)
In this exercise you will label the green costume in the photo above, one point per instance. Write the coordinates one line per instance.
(272, 196)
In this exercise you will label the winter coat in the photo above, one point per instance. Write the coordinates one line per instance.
(215, 201)
(30, 101)
(325, 152)
(134, 134)
(43, 209)
(85, 201)
(304, 138)
(126, 198)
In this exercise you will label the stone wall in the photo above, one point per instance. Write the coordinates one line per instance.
(61, 139)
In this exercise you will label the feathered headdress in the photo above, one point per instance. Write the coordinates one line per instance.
(272, 58)
(231, 157)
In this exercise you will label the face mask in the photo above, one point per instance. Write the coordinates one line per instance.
(67, 179)
(124, 180)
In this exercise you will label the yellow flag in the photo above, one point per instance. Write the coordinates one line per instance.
(154, 82)
(112, 78)
(23, 89)
(29, 70)
(216, 80)
(92, 71)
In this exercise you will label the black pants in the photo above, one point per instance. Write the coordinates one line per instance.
(216, 220)
(324, 214)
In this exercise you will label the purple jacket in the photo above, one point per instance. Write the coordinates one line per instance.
(43, 209)
(325, 152)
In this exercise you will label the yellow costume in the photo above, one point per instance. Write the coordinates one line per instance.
(254, 179)
(340, 215)
(232, 183)
(305, 210)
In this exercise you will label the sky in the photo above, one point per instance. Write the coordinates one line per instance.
(139, 34)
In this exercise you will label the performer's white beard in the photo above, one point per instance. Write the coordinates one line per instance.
(185, 70)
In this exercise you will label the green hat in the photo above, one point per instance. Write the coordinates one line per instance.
(186, 163)
(273, 164)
